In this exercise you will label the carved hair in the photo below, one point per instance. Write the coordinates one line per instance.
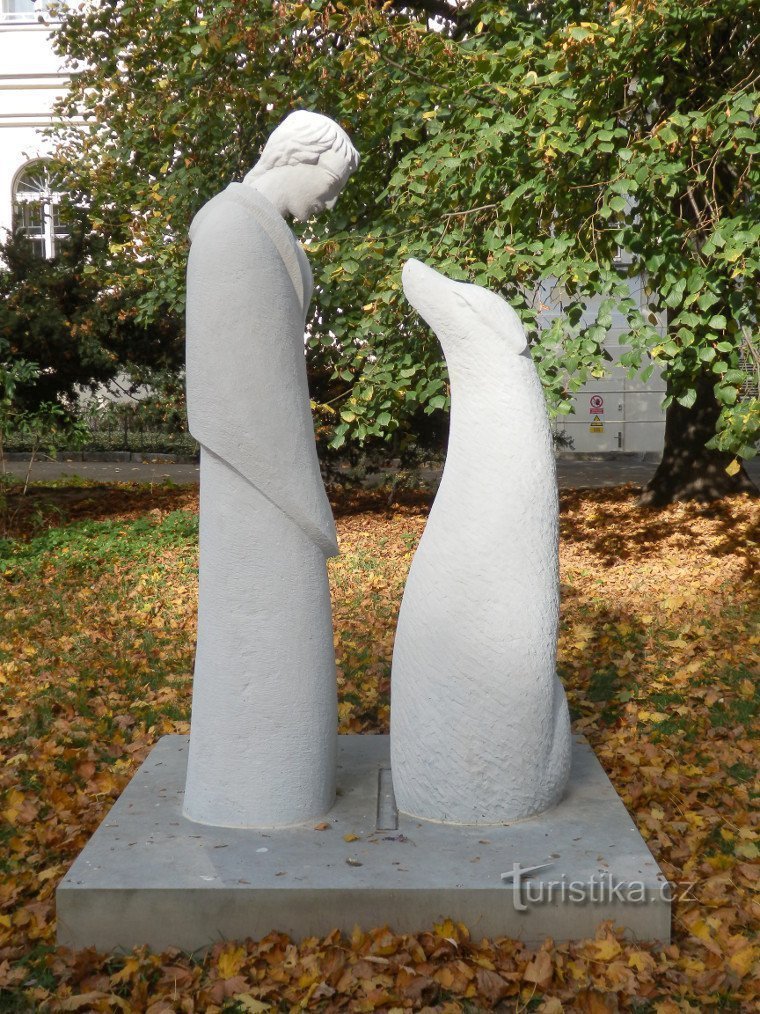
(304, 136)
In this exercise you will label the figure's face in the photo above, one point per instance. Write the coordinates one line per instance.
(312, 188)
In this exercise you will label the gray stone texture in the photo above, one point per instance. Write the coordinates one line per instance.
(149, 876)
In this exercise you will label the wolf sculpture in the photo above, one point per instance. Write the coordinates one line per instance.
(480, 731)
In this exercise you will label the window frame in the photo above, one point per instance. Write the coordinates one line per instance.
(28, 16)
(47, 200)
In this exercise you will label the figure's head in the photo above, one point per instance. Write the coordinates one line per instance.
(305, 164)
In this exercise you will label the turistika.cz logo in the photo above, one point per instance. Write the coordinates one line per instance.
(599, 888)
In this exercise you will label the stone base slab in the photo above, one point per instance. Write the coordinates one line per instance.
(149, 876)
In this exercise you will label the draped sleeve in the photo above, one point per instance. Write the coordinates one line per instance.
(247, 391)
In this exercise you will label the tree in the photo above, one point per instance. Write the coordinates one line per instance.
(505, 142)
(56, 314)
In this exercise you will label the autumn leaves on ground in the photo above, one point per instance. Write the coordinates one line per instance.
(97, 590)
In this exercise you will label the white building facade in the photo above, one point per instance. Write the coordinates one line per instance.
(30, 82)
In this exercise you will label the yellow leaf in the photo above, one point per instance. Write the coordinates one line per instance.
(249, 1004)
(81, 1000)
(131, 967)
(351, 837)
(743, 960)
(230, 962)
(606, 950)
(551, 1006)
(578, 971)
(700, 930)
(641, 961)
(747, 850)
(734, 467)
(652, 716)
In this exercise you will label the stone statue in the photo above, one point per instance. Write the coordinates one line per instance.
(480, 731)
(264, 719)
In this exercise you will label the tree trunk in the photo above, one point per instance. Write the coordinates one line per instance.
(688, 469)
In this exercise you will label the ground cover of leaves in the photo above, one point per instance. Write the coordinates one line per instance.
(658, 653)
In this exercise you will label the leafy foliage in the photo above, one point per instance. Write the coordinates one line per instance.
(510, 144)
(42, 426)
(55, 313)
(98, 588)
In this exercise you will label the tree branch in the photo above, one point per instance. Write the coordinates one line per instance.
(433, 8)
(470, 211)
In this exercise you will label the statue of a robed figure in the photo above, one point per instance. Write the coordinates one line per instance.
(264, 725)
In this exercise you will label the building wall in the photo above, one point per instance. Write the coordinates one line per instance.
(30, 81)
(614, 413)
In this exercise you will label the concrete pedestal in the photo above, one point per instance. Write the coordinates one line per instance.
(149, 876)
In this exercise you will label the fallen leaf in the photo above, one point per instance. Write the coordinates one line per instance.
(230, 961)
(539, 970)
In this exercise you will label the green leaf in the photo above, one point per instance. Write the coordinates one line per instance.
(726, 395)
(688, 398)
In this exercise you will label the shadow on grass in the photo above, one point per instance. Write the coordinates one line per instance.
(608, 523)
(611, 526)
(604, 672)
(49, 506)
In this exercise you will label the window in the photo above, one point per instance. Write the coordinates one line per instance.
(36, 208)
(17, 10)
(28, 12)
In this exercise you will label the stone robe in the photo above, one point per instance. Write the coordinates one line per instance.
(263, 731)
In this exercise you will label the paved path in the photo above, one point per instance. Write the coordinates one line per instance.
(107, 471)
(572, 474)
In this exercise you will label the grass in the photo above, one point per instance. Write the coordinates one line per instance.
(656, 650)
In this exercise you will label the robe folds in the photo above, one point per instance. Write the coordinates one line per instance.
(263, 731)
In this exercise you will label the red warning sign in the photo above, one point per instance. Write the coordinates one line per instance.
(596, 405)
